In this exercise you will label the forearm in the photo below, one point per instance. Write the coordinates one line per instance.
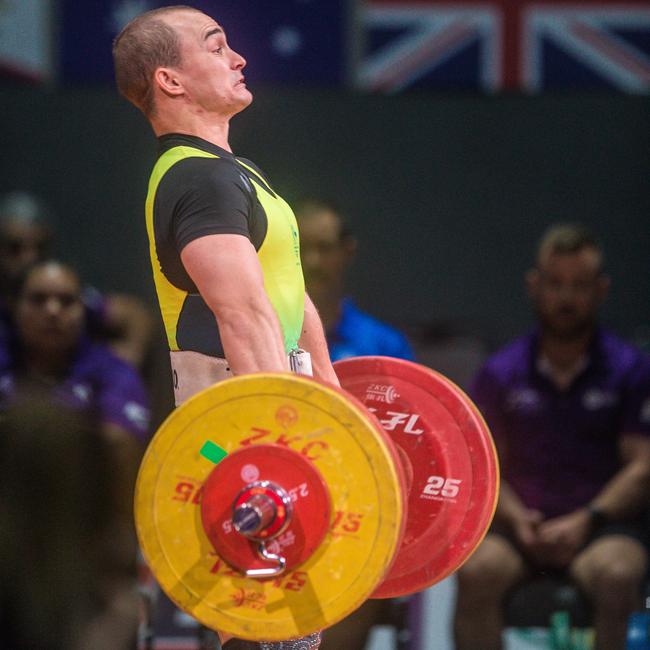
(510, 507)
(252, 339)
(313, 341)
(627, 492)
(229, 277)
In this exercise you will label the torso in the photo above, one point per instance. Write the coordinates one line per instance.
(197, 189)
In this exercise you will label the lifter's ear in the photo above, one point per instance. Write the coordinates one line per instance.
(168, 81)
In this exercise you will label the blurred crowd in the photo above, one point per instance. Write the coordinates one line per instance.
(83, 386)
(76, 418)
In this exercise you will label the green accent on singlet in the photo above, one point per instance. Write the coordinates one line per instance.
(279, 255)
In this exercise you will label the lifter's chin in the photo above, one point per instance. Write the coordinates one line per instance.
(246, 98)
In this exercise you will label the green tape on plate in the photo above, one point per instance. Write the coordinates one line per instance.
(213, 452)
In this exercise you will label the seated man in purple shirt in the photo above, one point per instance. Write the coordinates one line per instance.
(50, 356)
(569, 408)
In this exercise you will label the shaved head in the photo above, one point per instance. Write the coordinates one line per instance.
(145, 44)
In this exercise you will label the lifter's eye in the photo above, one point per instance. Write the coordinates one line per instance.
(219, 50)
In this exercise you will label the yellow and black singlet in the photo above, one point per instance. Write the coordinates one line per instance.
(198, 189)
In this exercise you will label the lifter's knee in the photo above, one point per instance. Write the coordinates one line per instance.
(494, 568)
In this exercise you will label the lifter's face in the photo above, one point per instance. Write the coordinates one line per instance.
(210, 75)
(567, 289)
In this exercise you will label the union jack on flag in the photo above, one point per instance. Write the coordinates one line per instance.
(504, 44)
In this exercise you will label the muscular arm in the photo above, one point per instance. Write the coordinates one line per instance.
(627, 492)
(313, 340)
(227, 272)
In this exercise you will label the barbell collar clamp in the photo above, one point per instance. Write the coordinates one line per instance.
(267, 572)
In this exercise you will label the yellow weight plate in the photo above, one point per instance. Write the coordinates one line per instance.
(359, 469)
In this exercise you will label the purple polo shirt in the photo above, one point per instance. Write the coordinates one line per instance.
(559, 448)
(97, 381)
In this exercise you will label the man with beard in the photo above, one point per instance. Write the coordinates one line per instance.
(569, 407)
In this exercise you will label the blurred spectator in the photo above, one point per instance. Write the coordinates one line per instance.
(569, 407)
(51, 355)
(327, 248)
(58, 588)
(51, 350)
(27, 232)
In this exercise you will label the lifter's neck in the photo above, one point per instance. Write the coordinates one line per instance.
(188, 123)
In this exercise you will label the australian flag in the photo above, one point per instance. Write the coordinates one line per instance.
(504, 44)
(283, 41)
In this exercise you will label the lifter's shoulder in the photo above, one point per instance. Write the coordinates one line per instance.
(195, 169)
(210, 178)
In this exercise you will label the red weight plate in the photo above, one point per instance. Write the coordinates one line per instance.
(288, 469)
(453, 465)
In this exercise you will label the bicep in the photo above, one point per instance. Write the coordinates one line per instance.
(225, 269)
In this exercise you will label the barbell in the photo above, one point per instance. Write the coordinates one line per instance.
(270, 506)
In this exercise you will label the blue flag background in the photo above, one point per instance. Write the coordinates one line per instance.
(396, 45)
(284, 41)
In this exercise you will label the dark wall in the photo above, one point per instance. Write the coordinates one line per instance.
(446, 194)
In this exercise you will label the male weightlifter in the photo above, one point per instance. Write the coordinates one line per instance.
(224, 246)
